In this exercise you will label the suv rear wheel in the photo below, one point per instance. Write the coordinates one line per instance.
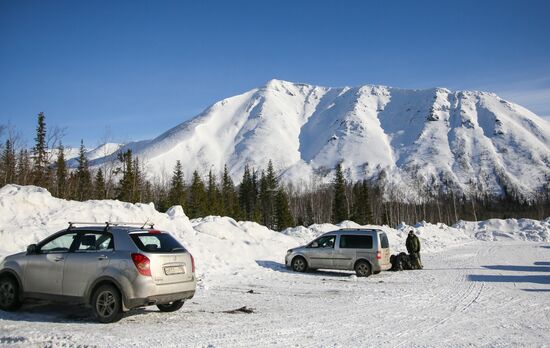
(170, 307)
(107, 304)
(299, 264)
(9, 294)
(363, 269)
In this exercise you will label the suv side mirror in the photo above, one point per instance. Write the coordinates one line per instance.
(314, 245)
(32, 249)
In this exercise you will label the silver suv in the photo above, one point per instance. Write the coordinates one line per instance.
(363, 250)
(113, 268)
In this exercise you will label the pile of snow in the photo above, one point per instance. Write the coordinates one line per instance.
(222, 245)
(509, 229)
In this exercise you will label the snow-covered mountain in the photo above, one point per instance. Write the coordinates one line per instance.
(417, 140)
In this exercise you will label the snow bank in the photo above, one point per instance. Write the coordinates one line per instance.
(222, 245)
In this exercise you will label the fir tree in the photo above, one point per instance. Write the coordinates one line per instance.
(197, 197)
(362, 211)
(39, 171)
(247, 196)
(339, 204)
(138, 182)
(83, 177)
(229, 195)
(8, 164)
(268, 188)
(99, 185)
(61, 173)
(176, 195)
(23, 167)
(125, 186)
(284, 218)
(213, 195)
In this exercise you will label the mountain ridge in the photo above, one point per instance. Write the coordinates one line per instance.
(416, 141)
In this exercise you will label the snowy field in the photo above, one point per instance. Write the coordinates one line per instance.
(484, 284)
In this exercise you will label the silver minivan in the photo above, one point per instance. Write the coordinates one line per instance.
(366, 251)
(113, 268)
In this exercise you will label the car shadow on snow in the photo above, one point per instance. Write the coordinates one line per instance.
(280, 267)
(42, 311)
(539, 267)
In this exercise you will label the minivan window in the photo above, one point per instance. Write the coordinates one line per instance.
(384, 243)
(355, 242)
(324, 242)
(156, 243)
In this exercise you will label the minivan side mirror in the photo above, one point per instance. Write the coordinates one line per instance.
(314, 245)
(32, 249)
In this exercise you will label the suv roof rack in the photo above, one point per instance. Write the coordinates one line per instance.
(112, 223)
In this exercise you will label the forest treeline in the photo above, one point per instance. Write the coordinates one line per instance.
(259, 196)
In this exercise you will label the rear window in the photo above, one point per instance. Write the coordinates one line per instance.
(156, 242)
(355, 242)
(384, 241)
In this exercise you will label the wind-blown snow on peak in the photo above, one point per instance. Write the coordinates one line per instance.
(417, 141)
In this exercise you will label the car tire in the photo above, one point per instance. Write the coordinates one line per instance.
(299, 264)
(107, 304)
(9, 294)
(363, 269)
(170, 307)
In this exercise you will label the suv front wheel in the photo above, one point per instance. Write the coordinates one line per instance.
(9, 294)
(299, 264)
(107, 304)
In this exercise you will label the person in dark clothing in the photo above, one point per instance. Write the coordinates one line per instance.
(413, 247)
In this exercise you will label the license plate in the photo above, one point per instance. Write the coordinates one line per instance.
(170, 270)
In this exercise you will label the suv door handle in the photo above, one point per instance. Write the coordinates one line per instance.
(57, 259)
(102, 257)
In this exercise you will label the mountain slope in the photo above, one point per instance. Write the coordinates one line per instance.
(416, 141)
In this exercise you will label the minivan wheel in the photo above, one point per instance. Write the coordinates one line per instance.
(107, 304)
(362, 269)
(299, 264)
(170, 307)
(9, 294)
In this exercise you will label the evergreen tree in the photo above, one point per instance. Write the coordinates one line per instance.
(40, 161)
(268, 189)
(83, 177)
(23, 167)
(229, 196)
(125, 186)
(176, 195)
(99, 185)
(247, 195)
(362, 211)
(197, 197)
(8, 164)
(138, 182)
(339, 204)
(213, 195)
(284, 218)
(61, 173)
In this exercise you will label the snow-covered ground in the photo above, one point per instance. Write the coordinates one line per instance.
(484, 284)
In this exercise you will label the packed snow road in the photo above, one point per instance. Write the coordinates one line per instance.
(481, 294)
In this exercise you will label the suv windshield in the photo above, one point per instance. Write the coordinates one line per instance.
(156, 242)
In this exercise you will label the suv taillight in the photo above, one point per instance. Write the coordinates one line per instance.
(142, 263)
(192, 263)
(378, 255)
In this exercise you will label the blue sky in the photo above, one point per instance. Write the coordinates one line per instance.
(129, 70)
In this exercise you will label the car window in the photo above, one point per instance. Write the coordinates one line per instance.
(94, 241)
(384, 243)
(355, 242)
(325, 242)
(156, 242)
(61, 244)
